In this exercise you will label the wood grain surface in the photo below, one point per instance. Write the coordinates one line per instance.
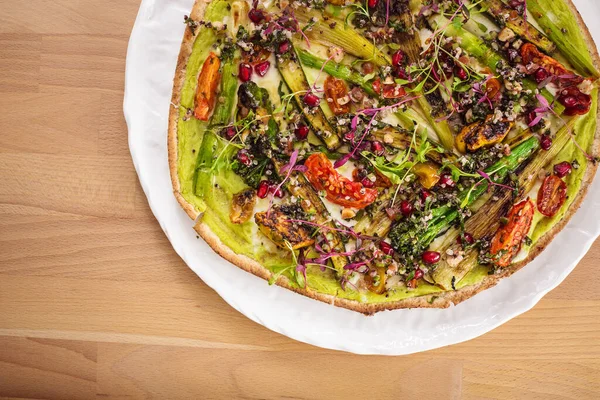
(94, 303)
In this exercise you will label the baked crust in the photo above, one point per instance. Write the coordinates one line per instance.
(187, 45)
(437, 300)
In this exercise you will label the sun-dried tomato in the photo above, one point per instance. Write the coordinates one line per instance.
(208, 81)
(492, 88)
(336, 94)
(531, 54)
(551, 196)
(508, 239)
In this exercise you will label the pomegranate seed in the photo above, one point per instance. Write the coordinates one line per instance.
(518, 5)
(406, 208)
(468, 238)
(569, 101)
(431, 257)
(244, 157)
(575, 102)
(263, 189)
(386, 248)
(368, 67)
(245, 72)
(401, 73)
(262, 68)
(540, 75)
(447, 181)
(372, 3)
(465, 239)
(425, 194)
(546, 142)
(283, 48)
(563, 169)
(301, 132)
(228, 132)
(256, 15)
(377, 148)
(366, 182)
(277, 192)
(418, 273)
(311, 100)
(515, 3)
(398, 58)
(460, 73)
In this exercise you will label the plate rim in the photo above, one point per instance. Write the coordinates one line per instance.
(234, 302)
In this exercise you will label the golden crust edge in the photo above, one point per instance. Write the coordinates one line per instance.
(185, 51)
(437, 300)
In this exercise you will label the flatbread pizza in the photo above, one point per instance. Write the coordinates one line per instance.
(383, 154)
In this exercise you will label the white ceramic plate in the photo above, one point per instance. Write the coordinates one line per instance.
(151, 60)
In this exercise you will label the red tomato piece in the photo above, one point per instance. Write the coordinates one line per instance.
(340, 190)
(208, 81)
(551, 196)
(507, 241)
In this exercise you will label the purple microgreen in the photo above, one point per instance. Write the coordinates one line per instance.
(431, 7)
(345, 230)
(372, 112)
(344, 281)
(547, 107)
(492, 182)
(357, 266)
(481, 88)
(329, 59)
(287, 169)
(387, 12)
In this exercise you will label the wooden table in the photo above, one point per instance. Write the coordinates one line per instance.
(94, 302)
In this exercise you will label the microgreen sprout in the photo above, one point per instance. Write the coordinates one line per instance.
(547, 107)
(372, 112)
(286, 169)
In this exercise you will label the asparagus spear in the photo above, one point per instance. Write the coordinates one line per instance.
(486, 220)
(313, 205)
(424, 117)
(441, 127)
(507, 17)
(229, 83)
(221, 116)
(295, 79)
(339, 34)
(412, 47)
(403, 139)
(480, 50)
(407, 117)
(483, 223)
(409, 240)
(557, 21)
(377, 224)
(334, 69)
